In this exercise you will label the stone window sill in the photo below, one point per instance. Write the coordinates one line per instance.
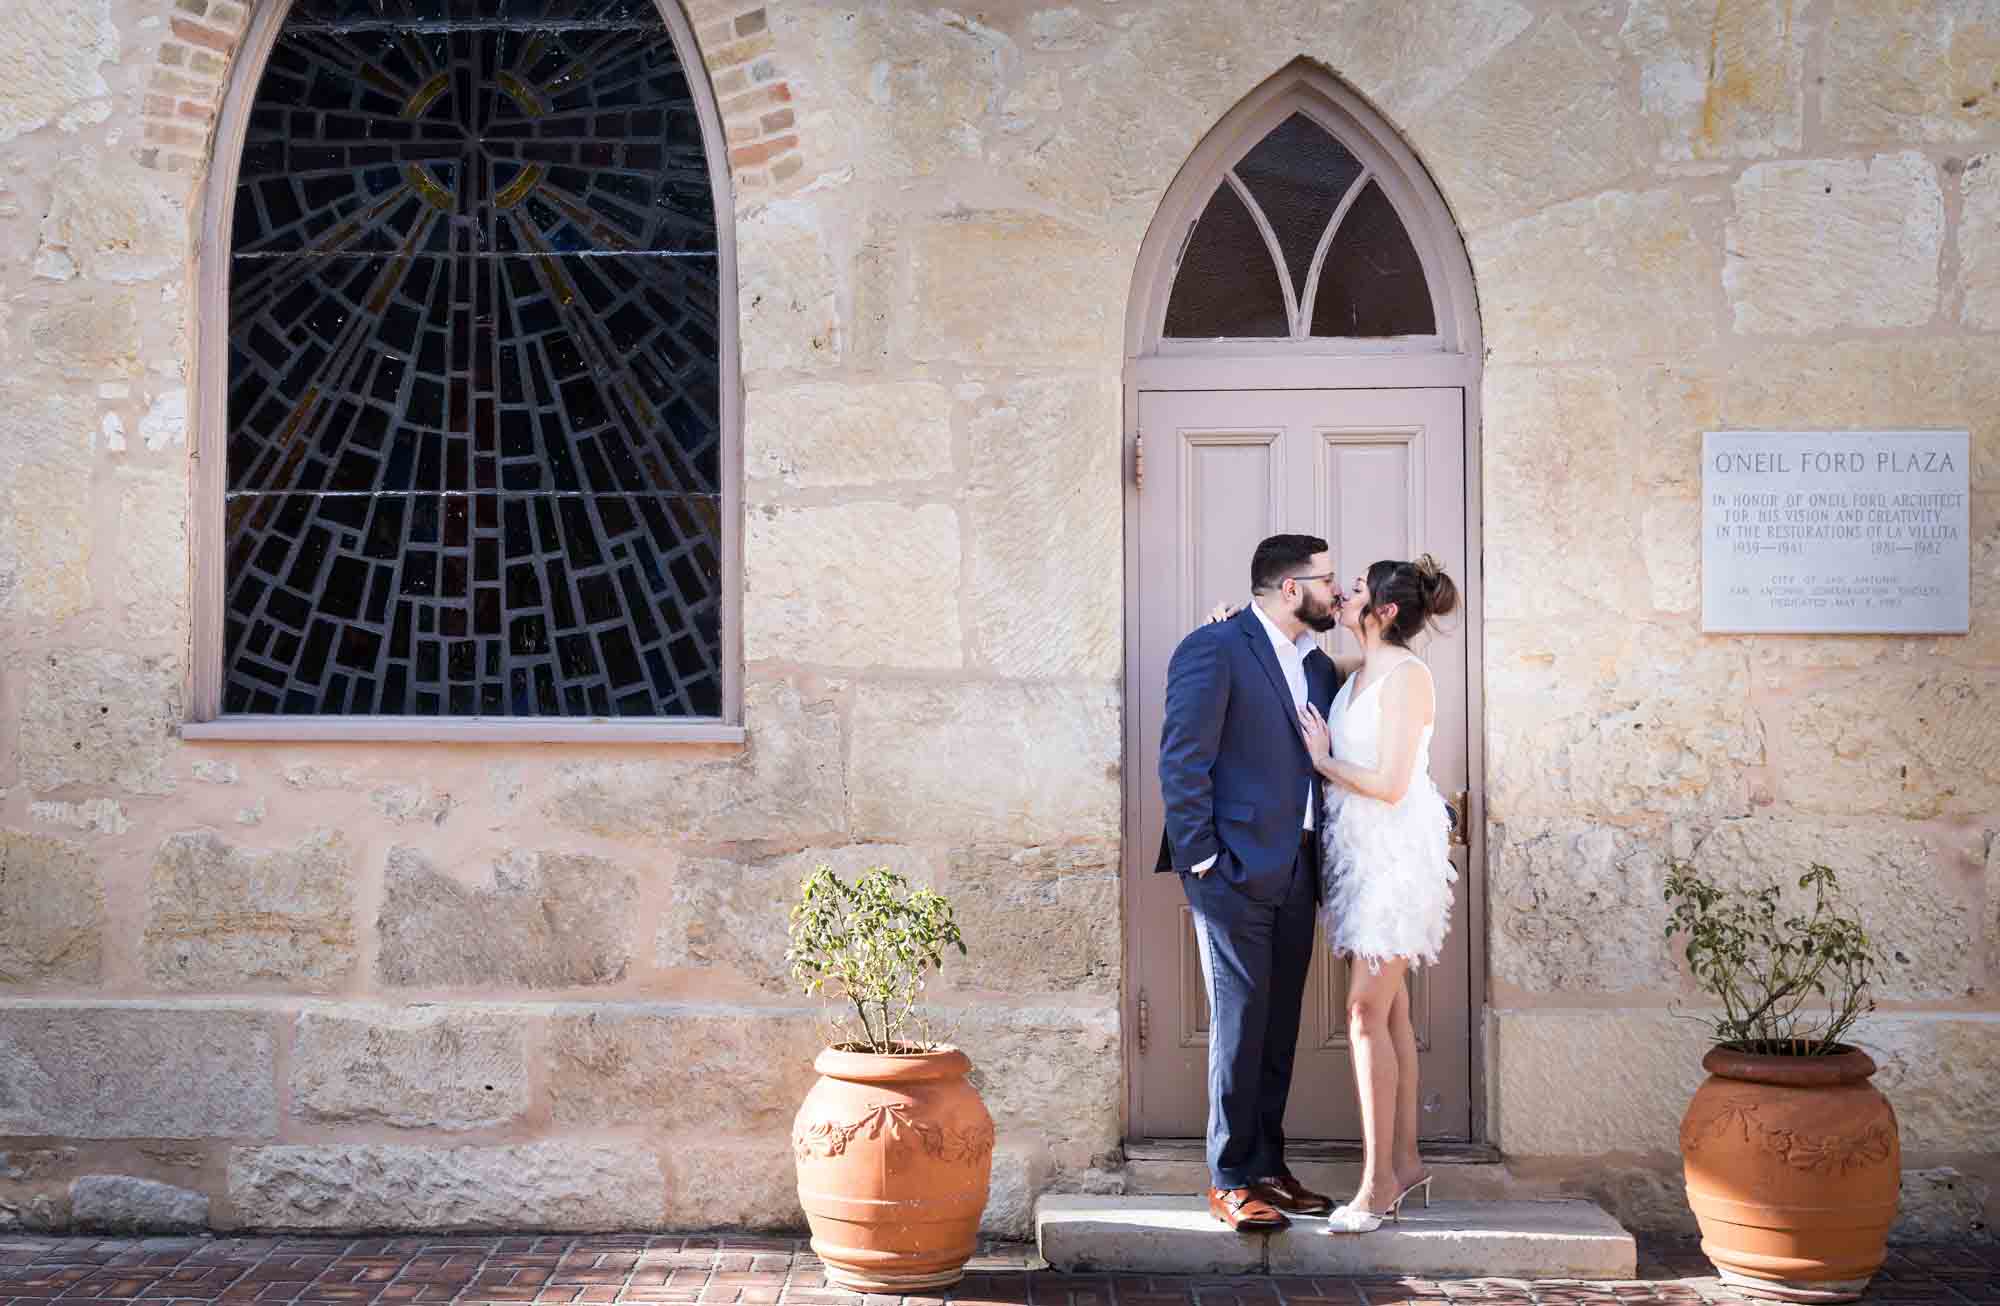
(461, 730)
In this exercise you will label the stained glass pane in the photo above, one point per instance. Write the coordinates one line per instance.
(519, 605)
(1297, 175)
(474, 458)
(1372, 282)
(1226, 285)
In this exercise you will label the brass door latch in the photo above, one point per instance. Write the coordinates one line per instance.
(1461, 818)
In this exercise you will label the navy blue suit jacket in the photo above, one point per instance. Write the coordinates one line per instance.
(1233, 768)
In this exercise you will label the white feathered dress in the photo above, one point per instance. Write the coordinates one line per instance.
(1386, 867)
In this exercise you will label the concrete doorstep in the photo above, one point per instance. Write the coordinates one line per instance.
(1176, 1235)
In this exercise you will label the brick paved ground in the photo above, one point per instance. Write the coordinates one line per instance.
(757, 1271)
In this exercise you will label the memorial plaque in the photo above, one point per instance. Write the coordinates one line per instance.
(1836, 532)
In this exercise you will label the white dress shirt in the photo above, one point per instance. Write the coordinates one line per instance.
(1292, 661)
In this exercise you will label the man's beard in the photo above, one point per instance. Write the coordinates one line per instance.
(1319, 617)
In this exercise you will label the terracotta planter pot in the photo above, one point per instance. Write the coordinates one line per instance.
(894, 1154)
(1793, 1166)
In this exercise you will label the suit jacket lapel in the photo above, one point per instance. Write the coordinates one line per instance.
(1267, 657)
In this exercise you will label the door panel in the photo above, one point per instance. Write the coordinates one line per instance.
(1377, 473)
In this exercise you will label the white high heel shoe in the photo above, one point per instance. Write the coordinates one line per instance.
(1423, 1183)
(1348, 1218)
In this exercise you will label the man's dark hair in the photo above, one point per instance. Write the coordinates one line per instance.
(1281, 556)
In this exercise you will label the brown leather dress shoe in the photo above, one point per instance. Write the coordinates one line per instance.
(1287, 1194)
(1244, 1211)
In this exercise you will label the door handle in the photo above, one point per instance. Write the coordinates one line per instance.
(1461, 818)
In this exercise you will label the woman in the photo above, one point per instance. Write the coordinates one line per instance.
(1385, 864)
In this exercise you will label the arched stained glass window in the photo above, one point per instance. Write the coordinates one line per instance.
(475, 438)
(1299, 240)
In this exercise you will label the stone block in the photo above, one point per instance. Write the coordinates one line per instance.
(112, 222)
(1068, 28)
(1938, 1072)
(748, 1182)
(1941, 1205)
(673, 1069)
(88, 338)
(46, 538)
(220, 916)
(1616, 720)
(1643, 1067)
(1049, 1074)
(1913, 741)
(404, 804)
(1153, 1235)
(1020, 1174)
(1547, 119)
(1110, 142)
(136, 1071)
(51, 912)
(1670, 540)
(1493, 1240)
(554, 1186)
(1559, 446)
(538, 920)
(1412, 56)
(854, 585)
(1016, 763)
(1616, 250)
(906, 91)
(99, 718)
(787, 289)
(36, 1164)
(1726, 82)
(730, 916)
(421, 1067)
(52, 59)
(1910, 70)
(1576, 907)
(1979, 243)
(1823, 244)
(127, 1204)
(95, 815)
(1036, 920)
(787, 785)
(1897, 879)
(968, 270)
(1650, 1198)
(1043, 520)
(829, 435)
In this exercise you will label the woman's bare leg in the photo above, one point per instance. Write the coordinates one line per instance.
(1409, 1165)
(1371, 997)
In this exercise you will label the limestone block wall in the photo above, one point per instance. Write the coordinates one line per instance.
(332, 986)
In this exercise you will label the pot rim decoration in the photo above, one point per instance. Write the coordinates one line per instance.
(1845, 1064)
(844, 1061)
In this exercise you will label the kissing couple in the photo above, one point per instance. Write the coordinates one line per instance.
(1298, 786)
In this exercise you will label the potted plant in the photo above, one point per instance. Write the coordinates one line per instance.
(1792, 1159)
(893, 1145)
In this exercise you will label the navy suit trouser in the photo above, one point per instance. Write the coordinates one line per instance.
(1254, 958)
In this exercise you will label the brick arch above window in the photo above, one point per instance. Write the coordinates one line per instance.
(192, 68)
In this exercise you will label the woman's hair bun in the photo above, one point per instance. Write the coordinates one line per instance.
(1440, 594)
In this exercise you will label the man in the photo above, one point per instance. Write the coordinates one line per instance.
(1242, 801)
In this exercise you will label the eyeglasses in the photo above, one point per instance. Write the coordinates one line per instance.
(1323, 575)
